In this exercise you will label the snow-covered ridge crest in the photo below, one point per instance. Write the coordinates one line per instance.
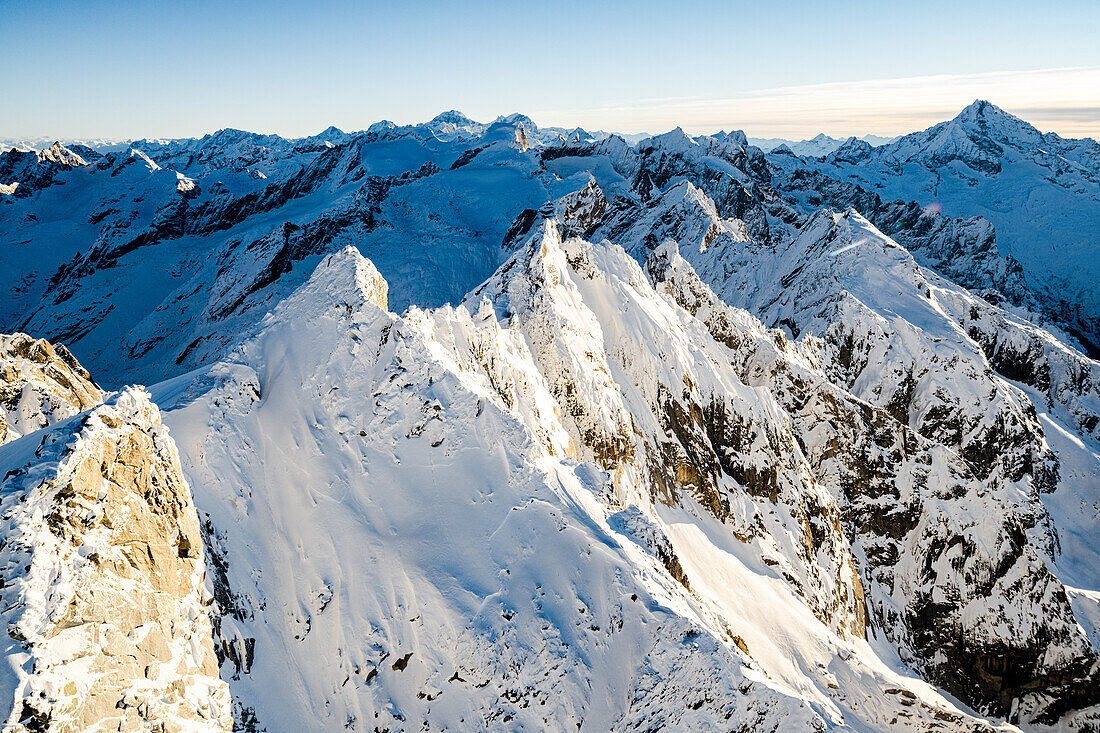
(893, 503)
(103, 579)
(501, 567)
(493, 586)
(890, 335)
(346, 277)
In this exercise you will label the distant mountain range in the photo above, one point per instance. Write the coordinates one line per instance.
(818, 146)
(815, 147)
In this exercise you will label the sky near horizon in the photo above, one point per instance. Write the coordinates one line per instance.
(785, 68)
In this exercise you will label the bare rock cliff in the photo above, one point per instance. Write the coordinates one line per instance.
(102, 574)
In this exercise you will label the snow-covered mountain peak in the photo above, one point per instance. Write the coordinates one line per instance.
(819, 146)
(452, 117)
(517, 118)
(831, 227)
(344, 280)
(577, 136)
(151, 164)
(452, 124)
(332, 132)
(382, 126)
(977, 136)
(857, 257)
(673, 141)
(737, 137)
(232, 135)
(981, 112)
(851, 150)
(61, 155)
(984, 119)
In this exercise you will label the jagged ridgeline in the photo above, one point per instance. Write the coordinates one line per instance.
(465, 426)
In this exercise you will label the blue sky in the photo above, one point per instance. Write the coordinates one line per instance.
(785, 68)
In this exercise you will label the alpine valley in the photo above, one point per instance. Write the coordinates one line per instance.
(465, 426)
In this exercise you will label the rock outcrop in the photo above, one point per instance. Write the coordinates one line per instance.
(102, 580)
(39, 385)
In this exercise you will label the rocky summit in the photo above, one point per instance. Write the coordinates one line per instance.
(488, 426)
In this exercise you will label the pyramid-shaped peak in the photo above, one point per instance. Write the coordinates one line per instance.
(58, 153)
(453, 117)
(983, 113)
(981, 107)
(342, 278)
(675, 139)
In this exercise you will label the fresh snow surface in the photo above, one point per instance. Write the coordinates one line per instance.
(479, 564)
(484, 558)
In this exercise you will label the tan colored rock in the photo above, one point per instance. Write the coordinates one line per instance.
(40, 384)
(102, 574)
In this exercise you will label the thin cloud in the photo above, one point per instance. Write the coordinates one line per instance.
(1066, 101)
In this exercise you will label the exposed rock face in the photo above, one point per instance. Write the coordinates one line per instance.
(926, 428)
(24, 172)
(929, 428)
(939, 583)
(681, 426)
(576, 213)
(39, 385)
(103, 571)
